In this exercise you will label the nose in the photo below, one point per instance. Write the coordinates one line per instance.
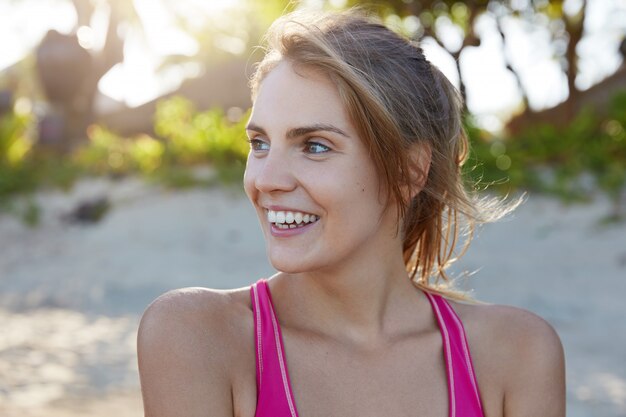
(273, 172)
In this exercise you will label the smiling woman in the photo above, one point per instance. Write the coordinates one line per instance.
(307, 157)
(356, 148)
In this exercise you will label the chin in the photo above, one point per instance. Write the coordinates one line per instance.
(291, 264)
(288, 267)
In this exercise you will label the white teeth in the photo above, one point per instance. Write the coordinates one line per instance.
(290, 219)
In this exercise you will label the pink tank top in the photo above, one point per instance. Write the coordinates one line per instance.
(274, 394)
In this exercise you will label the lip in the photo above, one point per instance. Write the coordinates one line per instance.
(276, 232)
(283, 208)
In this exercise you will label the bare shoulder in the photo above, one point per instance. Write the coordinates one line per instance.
(192, 309)
(518, 358)
(511, 325)
(191, 343)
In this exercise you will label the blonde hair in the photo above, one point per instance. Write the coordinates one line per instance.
(397, 101)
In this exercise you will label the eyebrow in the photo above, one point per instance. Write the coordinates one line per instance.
(301, 131)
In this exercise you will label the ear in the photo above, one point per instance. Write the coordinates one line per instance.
(420, 157)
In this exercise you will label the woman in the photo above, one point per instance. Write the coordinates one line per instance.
(356, 146)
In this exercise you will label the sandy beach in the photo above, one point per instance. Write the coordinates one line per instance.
(71, 295)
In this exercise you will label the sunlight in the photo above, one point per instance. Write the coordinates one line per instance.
(133, 81)
(144, 76)
(140, 77)
(215, 6)
(24, 23)
(162, 35)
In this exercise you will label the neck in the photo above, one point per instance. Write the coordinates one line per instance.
(364, 302)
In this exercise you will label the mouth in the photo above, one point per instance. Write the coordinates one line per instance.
(290, 219)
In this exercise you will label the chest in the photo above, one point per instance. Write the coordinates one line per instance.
(422, 371)
(404, 378)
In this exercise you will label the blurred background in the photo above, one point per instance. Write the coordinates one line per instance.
(122, 151)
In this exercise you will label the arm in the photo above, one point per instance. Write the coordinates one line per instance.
(182, 353)
(535, 385)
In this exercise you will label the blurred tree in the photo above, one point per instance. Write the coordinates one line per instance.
(69, 72)
(432, 15)
(225, 41)
(564, 21)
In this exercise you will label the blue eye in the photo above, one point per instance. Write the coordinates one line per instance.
(315, 148)
(258, 145)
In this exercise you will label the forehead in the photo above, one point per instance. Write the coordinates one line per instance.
(297, 96)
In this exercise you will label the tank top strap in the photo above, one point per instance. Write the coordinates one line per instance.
(274, 395)
(464, 396)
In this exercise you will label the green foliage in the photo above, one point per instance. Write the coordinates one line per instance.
(110, 154)
(24, 168)
(188, 140)
(105, 153)
(193, 137)
(570, 162)
(15, 154)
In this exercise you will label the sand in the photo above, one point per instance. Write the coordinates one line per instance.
(71, 295)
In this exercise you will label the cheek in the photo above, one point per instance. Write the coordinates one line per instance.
(355, 187)
(367, 184)
(249, 178)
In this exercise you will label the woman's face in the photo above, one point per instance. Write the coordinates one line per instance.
(309, 175)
